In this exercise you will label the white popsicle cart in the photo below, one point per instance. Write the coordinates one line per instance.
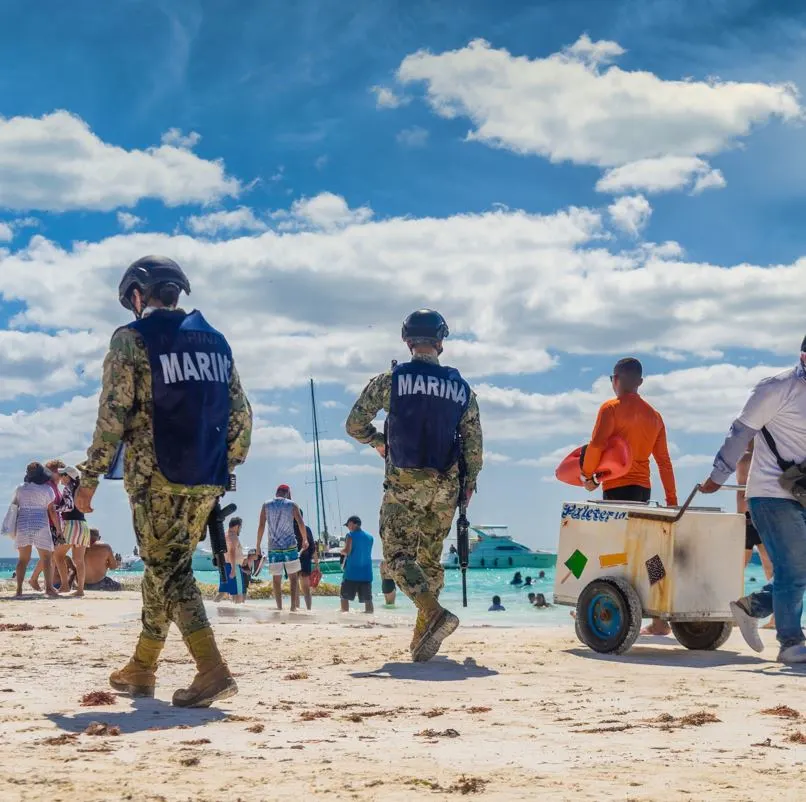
(619, 562)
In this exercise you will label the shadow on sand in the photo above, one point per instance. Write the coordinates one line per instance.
(146, 714)
(440, 669)
(653, 656)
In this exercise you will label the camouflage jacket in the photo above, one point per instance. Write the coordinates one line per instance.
(375, 397)
(125, 414)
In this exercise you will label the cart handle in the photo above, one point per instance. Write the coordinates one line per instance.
(651, 516)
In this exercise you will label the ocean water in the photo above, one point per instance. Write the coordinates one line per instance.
(482, 585)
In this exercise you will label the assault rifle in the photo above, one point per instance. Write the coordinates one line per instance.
(462, 534)
(218, 540)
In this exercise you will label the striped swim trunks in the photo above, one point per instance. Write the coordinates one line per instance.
(77, 533)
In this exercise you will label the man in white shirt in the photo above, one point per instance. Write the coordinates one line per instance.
(777, 405)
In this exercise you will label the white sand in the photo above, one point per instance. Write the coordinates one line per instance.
(563, 724)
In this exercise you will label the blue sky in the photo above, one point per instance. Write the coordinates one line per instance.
(319, 176)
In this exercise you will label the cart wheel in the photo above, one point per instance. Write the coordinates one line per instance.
(608, 615)
(702, 635)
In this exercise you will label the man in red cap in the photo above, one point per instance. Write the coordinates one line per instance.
(279, 515)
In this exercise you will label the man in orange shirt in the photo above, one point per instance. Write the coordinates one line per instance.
(630, 417)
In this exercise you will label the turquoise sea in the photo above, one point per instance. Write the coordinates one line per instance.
(482, 585)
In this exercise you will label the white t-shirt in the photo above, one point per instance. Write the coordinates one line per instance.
(779, 403)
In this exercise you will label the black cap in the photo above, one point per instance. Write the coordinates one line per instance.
(147, 273)
(236, 521)
(425, 324)
(353, 519)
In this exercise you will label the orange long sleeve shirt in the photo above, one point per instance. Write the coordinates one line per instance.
(642, 427)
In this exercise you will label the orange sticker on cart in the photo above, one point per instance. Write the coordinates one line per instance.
(612, 560)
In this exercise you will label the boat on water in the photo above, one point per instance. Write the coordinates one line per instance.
(493, 547)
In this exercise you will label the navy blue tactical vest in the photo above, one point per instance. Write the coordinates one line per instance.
(425, 408)
(191, 365)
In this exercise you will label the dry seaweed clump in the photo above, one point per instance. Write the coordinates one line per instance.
(97, 698)
(100, 728)
(449, 733)
(782, 711)
(297, 675)
(16, 627)
(797, 738)
(698, 719)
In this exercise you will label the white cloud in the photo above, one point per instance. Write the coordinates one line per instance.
(9, 228)
(661, 175)
(333, 405)
(516, 289)
(386, 98)
(321, 162)
(56, 163)
(128, 221)
(240, 219)
(324, 211)
(175, 138)
(567, 107)
(495, 458)
(693, 460)
(414, 137)
(631, 213)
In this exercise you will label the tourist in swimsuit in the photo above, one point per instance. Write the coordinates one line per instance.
(36, 513)
(76, 533)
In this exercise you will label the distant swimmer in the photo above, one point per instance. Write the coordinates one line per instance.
(528, 582)
(496, 606)
(630, 417)
(540, 601)
(517, 579)
(541, 575)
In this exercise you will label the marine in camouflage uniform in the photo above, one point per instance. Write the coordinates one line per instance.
(169, 519)
(418, 503)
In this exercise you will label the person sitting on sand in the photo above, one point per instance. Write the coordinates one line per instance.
(98, 559)
(496, 606)
(517, 579)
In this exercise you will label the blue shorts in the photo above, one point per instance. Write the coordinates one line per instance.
(236, 584)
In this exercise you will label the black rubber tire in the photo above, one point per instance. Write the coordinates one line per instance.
(623, 594)
(702, 635)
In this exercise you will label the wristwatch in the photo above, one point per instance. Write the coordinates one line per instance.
(588, 479)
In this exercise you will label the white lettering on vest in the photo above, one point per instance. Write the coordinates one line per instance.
(190, 368)
(171, 371)
(204, 366)
(409, 384)
(197, 366)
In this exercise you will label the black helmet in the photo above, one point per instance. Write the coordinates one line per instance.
(147, 273)
(425, 324)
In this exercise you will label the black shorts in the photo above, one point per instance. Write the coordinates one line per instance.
(349, 588)
(628, 493)
(388, 585)
(305, 561)
(751, 536)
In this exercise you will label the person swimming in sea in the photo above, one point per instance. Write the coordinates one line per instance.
(517, 579)
(496, 606)
(540, 601)
(528, 582)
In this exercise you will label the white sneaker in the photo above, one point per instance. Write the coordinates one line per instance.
(747, 625)
(793, 654)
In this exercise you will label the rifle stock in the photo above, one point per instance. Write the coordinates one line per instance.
(218, 540)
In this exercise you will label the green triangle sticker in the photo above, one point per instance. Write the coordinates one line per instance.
(576, 563)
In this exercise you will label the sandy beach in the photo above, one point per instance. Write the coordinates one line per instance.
(330, 706)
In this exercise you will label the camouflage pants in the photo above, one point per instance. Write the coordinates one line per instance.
(416, 517)
(168, 528)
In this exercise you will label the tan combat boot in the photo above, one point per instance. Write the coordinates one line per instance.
(434, 624)
(139, 676)
(213, 680)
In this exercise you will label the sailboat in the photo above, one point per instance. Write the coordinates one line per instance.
(330, 559)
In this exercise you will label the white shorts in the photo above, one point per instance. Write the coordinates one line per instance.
(284, 557)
